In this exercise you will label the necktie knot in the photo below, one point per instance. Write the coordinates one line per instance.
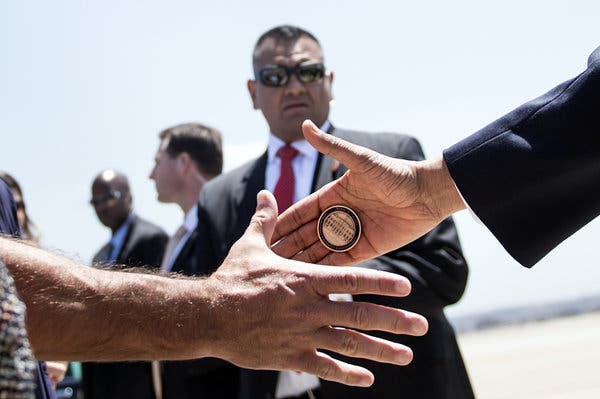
(181, 231)
(168, 259)
(287, 153)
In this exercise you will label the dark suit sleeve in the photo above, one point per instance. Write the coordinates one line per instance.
(533, 176)
(434, 263)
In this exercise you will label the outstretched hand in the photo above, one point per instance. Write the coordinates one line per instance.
(274, 313)
(397, 201)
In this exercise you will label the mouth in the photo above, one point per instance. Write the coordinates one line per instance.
(296, 106)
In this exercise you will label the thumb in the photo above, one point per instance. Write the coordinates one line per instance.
(263, 221)
(353, 156)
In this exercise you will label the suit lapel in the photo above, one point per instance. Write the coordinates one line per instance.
(254, 181)
(182, 262)
(128, 242)
(245, 194)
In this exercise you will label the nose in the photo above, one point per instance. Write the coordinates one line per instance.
(151, 175)
(294, 86)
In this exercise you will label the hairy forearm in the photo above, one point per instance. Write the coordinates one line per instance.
(437, 188)
(76, 312)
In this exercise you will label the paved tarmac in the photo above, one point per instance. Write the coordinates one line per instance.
(551, 359)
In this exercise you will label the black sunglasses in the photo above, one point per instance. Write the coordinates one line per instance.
(279, 75)
(101, 199)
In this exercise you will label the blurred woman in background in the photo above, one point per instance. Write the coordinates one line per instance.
(30, 232)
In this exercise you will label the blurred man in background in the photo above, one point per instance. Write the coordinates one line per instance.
(188, 156)
(134, 242)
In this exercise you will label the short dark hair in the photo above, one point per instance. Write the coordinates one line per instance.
(286, 33)
(201, 142)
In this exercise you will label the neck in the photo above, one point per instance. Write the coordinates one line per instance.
(189, 196)
(117, 226)
(188, 203)
(190, 190)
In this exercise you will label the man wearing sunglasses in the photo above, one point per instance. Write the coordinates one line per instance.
(134, 242)
(291, 84)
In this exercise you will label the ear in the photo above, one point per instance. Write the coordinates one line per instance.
(129, 199)
(184, 162)
(251, 84)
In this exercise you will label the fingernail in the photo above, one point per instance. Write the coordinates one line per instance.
(420, 326)
(403, 286)
(262, 199)
(335, 165)
(310, 124)
(404, 356)
(366, 380)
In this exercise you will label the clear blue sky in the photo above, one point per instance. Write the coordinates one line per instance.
(88, 85)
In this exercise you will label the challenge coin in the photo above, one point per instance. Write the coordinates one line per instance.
(339, 228)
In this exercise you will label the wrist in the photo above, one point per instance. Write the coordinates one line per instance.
(437, 188)
(222, 328)
(192, 331)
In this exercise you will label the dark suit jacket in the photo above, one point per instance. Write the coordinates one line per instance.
(533, 176)
(143, 246)
(202, 378)
(434, 264)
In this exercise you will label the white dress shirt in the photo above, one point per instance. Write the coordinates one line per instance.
(303, 164)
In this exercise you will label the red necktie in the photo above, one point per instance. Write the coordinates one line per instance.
(284, 189)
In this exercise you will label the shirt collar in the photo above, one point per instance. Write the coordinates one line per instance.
(122, 231)
(191, 218)
(303, 146)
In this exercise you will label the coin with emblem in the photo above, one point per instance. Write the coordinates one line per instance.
(339, 228)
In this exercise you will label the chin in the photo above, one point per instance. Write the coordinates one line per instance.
(107, 223)
(164, 199)
(289, 137)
